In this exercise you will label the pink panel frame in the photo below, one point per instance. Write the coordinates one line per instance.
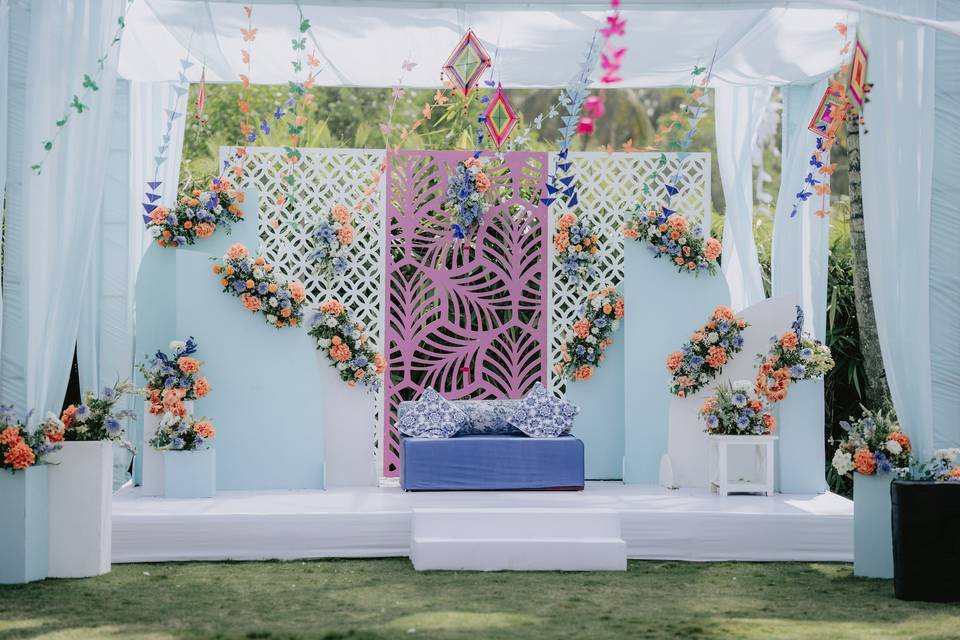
(469, 320)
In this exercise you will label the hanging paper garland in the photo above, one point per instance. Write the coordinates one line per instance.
(90, 84)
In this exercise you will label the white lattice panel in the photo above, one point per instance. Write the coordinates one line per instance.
(324, 178)
(609, 186)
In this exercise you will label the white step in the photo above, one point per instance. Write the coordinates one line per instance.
(537, 539)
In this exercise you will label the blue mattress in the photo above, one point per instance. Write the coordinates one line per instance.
(491, 462)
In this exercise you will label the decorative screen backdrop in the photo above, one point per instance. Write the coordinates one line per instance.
(609, 184)
(468, 319)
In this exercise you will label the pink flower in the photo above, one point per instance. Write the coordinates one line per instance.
(341, 214)
(297, 291)
(237, 252)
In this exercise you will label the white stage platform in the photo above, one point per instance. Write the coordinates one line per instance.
(655, 523)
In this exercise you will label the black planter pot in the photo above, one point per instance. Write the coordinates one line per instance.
(926, 540)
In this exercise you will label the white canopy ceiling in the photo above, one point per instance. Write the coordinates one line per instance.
(533, 45)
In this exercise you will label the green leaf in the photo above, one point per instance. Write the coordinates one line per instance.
(304, 25)
(79, 106)
(88, 83)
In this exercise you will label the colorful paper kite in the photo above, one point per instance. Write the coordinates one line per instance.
(467, 63)
(500, 117)
(830, 115)
(857, 85)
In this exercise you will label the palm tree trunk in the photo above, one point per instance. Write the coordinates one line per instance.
(877, 392)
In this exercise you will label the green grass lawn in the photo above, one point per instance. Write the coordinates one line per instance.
(378, 599)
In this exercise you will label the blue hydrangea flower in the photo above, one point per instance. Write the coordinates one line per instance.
(712, 420)
(239, 286)
(197, 441)
(798, 371)
(743, 422)
(696, 361)
(339, 264)
(738, 342)
(262, 288)
(178, 443)
(600, 322)
(82, 413)
(806, 353)
(112, 425)
(883, 464)
(739, 400)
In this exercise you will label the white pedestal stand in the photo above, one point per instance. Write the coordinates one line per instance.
(741, 464)
(152, 478)
(80, 509)
(348, 430)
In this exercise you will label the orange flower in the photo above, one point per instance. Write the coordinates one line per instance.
(331, 306)
(618, 308)
(345, 234)
(379, 363)
(697, 336)
(865, 462)
(188, 365)
(53, 434)
(340, 213)
(297, 291)
(709, 405)
(584, 372)
(723, 313)
(712, 249)
(340, 352)
(359, 373)
(716, 357)
(561, 241)
(678, 260)
(607, 309)
(901, 439)
(482, 182)
(674, 360)
(205, 229)
(204, 428)
(252, 303)
(20, 456)
(250, 283)
(237, 252)
(769, 422)
(67, 416)
(188, 225)
(201, 387)
(789, 340)
(10, 436)
(217, 268)
(159, 215)
(272, 287)
(582, 328)
(285, 312)
(678, 222)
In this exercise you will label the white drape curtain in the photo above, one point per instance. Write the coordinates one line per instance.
(53, 218)
(800, 243)
(945, 236)
(739, 112)
(4, 93)
(897, 163)
(148, 101)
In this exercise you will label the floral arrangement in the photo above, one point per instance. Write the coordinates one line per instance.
(734, 411)
(874, 444)
(182, 433)
(281, 301)
(97, 417)
(20, 448)
(792, 357)
(172, 380)
(583, 346)
(333, 234)
(342, 337)
(941, 468)
(466, 202)
(576, 245)
(196, 215)
(670, 235)
(703, 357)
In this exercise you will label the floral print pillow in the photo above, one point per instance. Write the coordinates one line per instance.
(543, 415)
(431, 417)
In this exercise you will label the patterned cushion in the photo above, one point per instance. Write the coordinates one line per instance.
(543, 415)
(487, 417)
(431, 417)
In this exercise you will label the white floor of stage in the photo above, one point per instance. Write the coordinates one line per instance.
(655, 523)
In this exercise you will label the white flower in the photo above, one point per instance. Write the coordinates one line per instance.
(594, 330)
(323, 342)
(169, 419)
(682, 240)
(280, 279)
(272, 301)
(331, 322)
(177, 346)
(590, 340)
(742, 385)
(257, 272)
(156, 232)
(597, 302)
(894, 447)
(843, 462)
(947, 455)
(53, 419)
(712, 337)
(271, 318)
(615, 325)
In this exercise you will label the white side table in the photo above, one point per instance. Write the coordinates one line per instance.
(741, 464)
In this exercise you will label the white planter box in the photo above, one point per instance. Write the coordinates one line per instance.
(189, 474)
(152, 476)
(800, 450)
(81, 481)
(349, 415)
(742, 464)
(872, 526)
(23, 525)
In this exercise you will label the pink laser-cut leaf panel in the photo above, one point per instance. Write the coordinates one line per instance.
(469, 320)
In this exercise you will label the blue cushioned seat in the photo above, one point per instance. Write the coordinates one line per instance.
(491, 462)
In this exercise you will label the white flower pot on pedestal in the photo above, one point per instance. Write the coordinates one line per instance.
(189, 474)
(81, 481)
(349, 415)
(800, 450)
(741, 464)
(23, 525)
(152, 477)
(872, 526)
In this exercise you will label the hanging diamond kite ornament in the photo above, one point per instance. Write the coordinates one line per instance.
(500, 117)
(467, 63)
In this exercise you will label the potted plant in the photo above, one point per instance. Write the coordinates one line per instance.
(189, 463)
(791, 375)
(740, 429)
(23, 497)
(924, 514)
(874, 451)
(171, 384)
(81, 483)
(352, 373)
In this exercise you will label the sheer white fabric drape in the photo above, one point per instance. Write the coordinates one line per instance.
(739, 112)
(800, 243)
(53, 218)
(897, 163)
